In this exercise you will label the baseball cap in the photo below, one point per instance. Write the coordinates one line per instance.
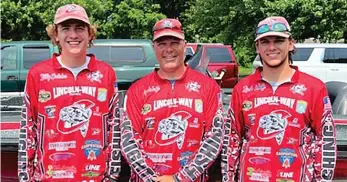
(273, 26)
(71, 11)
(168, 27)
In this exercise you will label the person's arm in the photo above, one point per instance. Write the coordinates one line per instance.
(232, 139)
(113, 131)
(27, 134)
(212, 140)
(325, 139)
(131, 140)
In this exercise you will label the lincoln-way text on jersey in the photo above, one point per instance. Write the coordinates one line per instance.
(275, 100)
(173, 102)
(74, 90)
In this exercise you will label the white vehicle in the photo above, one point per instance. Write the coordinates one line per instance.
(327, 62)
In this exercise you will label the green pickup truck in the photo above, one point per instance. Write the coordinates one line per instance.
(131, 59)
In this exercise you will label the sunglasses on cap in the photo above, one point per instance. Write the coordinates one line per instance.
(166, 25)
(275, 27)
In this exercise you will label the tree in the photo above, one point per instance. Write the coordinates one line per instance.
(234, 22)
(27, 20)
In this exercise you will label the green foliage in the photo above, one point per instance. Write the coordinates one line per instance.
(27, 20)
(234, 22)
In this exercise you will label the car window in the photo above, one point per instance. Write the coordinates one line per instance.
(335, 55)
(302, 54)
(219, 54)
(8, 57)
(114, 54)
(189, 51)
(35, 53)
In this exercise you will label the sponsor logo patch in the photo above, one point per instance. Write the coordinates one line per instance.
(286, 156)
(301, 106)
(184, 158)
(50, 111)
(102, 94)
(298, 89)
(246, 105)
(198, 105)
(92, 149)
(146, 109)
(95, 76)
(193, 87)
(44, 96)
(61, 156)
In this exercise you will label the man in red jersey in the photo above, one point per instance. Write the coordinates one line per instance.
(172, 126)
(70, 127)
(281, 126)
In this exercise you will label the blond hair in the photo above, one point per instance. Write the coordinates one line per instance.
(52, 33)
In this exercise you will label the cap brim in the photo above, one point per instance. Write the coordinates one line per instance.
(279, 34)
(168, 32)
(72, 17)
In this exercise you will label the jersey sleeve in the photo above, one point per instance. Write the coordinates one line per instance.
(131, 140)
(27, 133)
(325, 139)
(232, 139)
(212, 139)
(113, 130)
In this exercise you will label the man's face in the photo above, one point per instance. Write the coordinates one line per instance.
(73, 37)
(274, 50)
(170, 53)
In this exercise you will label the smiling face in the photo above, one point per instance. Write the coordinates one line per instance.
(73, 37)
(170, 53)
(274, 50)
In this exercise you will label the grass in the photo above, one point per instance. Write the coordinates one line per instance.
(244, 71)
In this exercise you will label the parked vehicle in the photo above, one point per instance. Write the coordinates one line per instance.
(131, 58)
(216, 57)
(327, 62)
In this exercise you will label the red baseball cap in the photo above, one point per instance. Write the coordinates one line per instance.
(168, 27)
(273, 26)
(71, 11)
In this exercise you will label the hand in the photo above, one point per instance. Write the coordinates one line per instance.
(165, 178)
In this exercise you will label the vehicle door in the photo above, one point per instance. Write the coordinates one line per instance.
(336, 61)
(33, 53)
(9, 68)
(310, 61)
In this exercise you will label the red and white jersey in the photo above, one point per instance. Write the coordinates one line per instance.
(283, 134)
(69, 127)
(172, 128)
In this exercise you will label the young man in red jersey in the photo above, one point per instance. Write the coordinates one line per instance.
(69, 127)
(173, 126)
(281, 126)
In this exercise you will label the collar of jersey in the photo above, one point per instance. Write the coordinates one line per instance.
(158, 78)
(91, 65)
(294, 79)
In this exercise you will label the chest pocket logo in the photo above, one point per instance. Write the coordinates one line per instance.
(172, 129)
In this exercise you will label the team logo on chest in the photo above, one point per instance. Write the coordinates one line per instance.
(75, 117)
(193, 87)
(273, 125)
(95, 76)
(298, 89)
(172, 129)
